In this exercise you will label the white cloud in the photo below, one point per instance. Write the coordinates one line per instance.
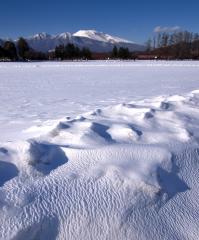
(160, 29)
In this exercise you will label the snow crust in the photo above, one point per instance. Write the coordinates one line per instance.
(122, 171)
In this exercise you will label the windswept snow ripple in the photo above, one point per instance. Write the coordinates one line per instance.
(127, 171)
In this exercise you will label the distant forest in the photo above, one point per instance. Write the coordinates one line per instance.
(22, 52)
(178, 45)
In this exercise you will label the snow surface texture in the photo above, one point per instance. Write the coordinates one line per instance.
(36, 94)
(124, 171)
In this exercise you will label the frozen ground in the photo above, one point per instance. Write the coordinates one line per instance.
(99, 150)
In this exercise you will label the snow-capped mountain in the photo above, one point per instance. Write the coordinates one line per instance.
(99, 36)
(96, 41)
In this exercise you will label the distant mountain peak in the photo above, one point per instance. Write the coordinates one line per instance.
(96, 41)
(64, 35)
(42, 35)
(100, 36)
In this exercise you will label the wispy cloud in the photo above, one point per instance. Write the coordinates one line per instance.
(160, 29)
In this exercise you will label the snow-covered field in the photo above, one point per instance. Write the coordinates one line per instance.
(99, 150)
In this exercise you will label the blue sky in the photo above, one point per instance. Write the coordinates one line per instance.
(134, 20)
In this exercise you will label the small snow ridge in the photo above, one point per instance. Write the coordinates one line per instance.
(3, 150)
(148, 115)
(97, 112)
(124, 133)
(7, 172)
(138, 163)
(62, 125)
(165, 106)
(104, 173)
(101, 130)
(45, 157)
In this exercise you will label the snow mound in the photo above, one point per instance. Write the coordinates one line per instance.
(120, 172)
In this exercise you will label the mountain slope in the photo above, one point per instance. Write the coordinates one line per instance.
(96, 41)
(99, 36)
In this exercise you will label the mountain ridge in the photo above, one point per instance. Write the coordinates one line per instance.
(94, 40)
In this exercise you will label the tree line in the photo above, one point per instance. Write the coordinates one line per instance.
(70, 51)
(168, 39)
(19, 51)
(121, 53)
(177, 45)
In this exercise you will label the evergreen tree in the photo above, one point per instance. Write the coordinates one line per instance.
(70, 51)
(124, 53)
(59, 52)
(23, 48)
(114, 53)
(10, 50)
(77, 53)
(2, 53)
(34, 55)
(86, 53)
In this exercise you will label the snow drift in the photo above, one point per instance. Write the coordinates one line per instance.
(127, 171)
